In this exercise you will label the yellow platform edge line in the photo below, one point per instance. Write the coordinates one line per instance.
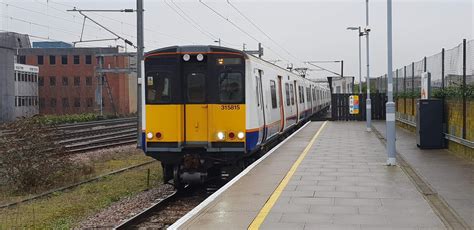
(276, 194)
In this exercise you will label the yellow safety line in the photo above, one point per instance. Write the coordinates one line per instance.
(276, 194)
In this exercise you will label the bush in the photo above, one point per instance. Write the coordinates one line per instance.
(30, 160)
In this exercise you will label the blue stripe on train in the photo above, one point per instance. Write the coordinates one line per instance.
(251, 140)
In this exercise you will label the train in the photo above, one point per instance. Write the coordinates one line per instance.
(208, 108)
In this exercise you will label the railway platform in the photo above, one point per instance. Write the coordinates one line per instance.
(327, 175)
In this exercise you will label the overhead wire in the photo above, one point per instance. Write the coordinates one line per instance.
(41, 25)
(261, 31)
(241, 29)
(126, 23)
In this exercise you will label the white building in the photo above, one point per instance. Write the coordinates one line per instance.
(26, 90)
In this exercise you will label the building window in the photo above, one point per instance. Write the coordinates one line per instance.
(89, 81)
(22, 59)
(89, 102)
(76, 59)
(52, 60)
(88, 59)
(65, 102)
(52, 81)
(53, 102)
(16, 101)
(40, 60)
(41, 102)
(77, 102)
(64, 59)
(41, 81)
(77, 81)
(22, 101)
(65, 81)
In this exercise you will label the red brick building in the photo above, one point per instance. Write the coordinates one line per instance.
(68, 80)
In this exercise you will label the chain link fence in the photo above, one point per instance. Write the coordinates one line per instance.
(452, 80)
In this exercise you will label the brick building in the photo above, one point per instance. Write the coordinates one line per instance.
(68, 81)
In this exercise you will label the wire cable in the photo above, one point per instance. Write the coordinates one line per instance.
(241, 29)
(261, 30)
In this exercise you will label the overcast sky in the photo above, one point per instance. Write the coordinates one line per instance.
(300, 30)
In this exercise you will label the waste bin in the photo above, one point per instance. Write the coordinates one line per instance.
(429, 124)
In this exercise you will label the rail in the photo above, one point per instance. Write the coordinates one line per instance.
(447, 136)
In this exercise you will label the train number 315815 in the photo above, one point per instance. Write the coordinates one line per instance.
(230, 107)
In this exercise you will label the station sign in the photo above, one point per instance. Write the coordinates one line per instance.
(354, 104)
(425, 85)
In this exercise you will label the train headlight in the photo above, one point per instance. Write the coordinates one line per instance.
(220, 136)
(149, 136)
(240, 135)
(200, 57)
(186, 57)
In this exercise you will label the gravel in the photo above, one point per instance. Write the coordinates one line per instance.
(171, 213)
(126, 208)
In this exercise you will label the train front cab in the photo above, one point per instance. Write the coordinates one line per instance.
(195, 110)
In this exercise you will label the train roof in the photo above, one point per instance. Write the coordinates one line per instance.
(195, 49)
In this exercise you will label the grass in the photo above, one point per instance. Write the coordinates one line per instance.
(63, 210)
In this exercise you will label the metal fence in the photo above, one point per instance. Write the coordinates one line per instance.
(452, 79)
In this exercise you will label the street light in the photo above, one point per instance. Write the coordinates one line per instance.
(360, 57)
(390, 106)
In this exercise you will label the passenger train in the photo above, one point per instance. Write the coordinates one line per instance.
(209, 107)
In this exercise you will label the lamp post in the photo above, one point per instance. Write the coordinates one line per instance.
(360, 34)
(390, 106)
(368, 103)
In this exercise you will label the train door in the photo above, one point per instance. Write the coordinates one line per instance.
(262, 104)
(196, 107)
(296, 100)
(282, 108)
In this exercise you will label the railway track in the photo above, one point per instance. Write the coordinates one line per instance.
(87, 136)
(168, 210)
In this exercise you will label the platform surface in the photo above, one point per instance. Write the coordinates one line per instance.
(450, 176)
(342, 183)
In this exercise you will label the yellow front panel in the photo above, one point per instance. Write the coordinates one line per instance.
(226, 118)
(166, 119)
(196, 123)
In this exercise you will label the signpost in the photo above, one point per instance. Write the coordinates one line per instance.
(354, 104)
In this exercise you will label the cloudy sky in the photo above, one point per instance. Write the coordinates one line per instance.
(298, 30)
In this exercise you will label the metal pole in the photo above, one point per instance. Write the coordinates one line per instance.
(140, 73)
(342, 68)
(464, 109)
(360, 66)
(390, 105)
(368, 105)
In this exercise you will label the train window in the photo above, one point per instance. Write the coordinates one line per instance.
(196, 87)
(287, 90)
(308, 94)
(230, 87)
(292, 94)
(273, 93)
(158, 87)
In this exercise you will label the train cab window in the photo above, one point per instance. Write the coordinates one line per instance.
(273, 93)
(292, 94)
(196, 90)
(158, 87)
(287, 90)
(231, 87)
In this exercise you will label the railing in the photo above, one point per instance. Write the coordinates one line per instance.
(447, 136)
